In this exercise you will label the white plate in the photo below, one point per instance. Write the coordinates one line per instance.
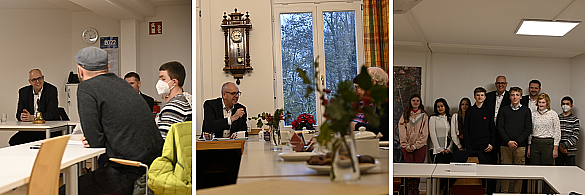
(222, 139)
(326, 168)
(296, 156)
(241, 138)
(384, 143)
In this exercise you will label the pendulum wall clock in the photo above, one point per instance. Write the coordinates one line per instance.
(236, 30)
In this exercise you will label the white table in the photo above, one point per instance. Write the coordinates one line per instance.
(47, 127)
(260, 163)
(563, 179)
(16, 164)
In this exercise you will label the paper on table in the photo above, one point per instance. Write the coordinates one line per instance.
(75, 143)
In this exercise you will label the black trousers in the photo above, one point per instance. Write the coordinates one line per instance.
(564, 160)
(30, 136)
(106, 180)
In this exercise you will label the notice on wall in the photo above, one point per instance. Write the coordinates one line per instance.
(155, 28)
(110, 44)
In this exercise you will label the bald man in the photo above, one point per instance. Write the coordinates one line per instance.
(39, 96)
(224, 116)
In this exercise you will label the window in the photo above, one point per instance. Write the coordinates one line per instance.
(332, 31)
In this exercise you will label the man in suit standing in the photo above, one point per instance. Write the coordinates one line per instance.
(39, 96)
(494, 101)
(134, 79)
(530, 99)
(224, 116)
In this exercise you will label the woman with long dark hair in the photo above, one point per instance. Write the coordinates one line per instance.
(457, 123)
(414, 130)
(440, 133)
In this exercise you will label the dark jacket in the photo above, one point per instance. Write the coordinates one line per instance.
(514, 125)
(384, 127)
(490, 102)
(115, 117)
(214, 122)
(479, 129)
(48, 104)
(149, 100)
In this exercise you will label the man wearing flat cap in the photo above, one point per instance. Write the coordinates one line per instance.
(115, 117)
(39, 96)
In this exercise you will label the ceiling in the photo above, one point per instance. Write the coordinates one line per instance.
(113, 9)
(485, 27)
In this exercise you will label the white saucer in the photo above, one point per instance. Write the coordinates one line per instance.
(326, 168)
(222, 139)
(241, 138)
(296, 156)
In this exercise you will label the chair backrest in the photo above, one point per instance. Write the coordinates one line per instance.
(44, 178)
(62, 114)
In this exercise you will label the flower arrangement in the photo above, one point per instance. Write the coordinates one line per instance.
(345, 104)
(271, 120)
(303, 120)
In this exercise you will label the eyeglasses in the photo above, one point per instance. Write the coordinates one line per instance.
(37, 79)
(234, 93)
(500, 83)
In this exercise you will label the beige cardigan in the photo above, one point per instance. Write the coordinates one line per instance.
(415, 132)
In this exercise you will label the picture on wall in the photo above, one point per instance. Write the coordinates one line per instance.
(407, 81)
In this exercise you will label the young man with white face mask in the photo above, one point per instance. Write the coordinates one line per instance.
(170, 85)
(569, 134)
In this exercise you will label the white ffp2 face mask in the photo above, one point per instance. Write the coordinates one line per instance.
(163, 88)
(566, 108)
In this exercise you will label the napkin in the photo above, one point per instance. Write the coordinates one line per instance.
(297, 143)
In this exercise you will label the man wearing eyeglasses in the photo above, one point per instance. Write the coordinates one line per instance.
(225, 116)
(39, 96)
(495, 100)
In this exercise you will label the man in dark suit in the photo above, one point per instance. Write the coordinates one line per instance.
(224, 116)
(39, 96)
(494, 101)
(134, 79)
(530, 99)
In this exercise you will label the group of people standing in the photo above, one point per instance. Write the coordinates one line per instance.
(503, 127)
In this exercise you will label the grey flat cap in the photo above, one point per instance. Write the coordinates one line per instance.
(92, 58)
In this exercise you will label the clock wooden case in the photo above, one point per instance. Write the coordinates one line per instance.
(236, 30)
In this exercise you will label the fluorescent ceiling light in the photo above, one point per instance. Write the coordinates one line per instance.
(545, 28)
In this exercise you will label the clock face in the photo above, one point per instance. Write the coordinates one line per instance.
(236, 36)
(90, 35)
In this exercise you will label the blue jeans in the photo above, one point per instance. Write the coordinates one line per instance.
(106, 180)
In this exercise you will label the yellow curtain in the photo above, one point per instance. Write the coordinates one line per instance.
(376, 37)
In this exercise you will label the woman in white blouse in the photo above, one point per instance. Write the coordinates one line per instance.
(440, 132)
(546, 133)
(457, 123)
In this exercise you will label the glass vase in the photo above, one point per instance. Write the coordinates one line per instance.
(344, 164)
(276, 138)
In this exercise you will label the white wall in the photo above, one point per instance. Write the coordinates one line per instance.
(578, 94)
(38, 39)
(257, 87)
(173, 45)
(453, 76)
(50, 39)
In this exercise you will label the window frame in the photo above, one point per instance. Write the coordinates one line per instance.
(317, 9)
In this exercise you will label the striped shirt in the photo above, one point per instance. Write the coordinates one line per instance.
(569, 133)
(177, 110)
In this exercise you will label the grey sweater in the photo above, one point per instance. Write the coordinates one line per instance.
(113, 115)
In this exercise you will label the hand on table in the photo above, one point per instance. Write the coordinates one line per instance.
(233, 136)
(84, 141)
(26, 116)
(238, 114)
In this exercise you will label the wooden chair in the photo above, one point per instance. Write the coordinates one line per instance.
(44, 178)
(468, 185)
